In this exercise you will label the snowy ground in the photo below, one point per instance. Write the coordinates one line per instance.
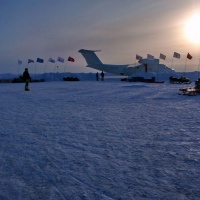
(99, 140)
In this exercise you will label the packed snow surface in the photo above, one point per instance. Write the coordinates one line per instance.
(99, 140)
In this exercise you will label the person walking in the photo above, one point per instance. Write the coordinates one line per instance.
(27, 78)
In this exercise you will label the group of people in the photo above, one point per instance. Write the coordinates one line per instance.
(27, 78)
(102, 76)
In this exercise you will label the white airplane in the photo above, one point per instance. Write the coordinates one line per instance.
(144, 65)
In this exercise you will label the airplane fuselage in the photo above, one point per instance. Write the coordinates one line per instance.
(144, 65)
(113, 69)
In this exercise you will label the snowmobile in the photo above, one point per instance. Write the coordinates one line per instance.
(192, 91)
(179, 80)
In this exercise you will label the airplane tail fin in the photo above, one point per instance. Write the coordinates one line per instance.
(90, 57)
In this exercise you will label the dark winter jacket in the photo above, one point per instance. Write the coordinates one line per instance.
(26, 75)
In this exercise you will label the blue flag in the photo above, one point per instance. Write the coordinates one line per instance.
(51, 60)
(30, 61)
(62, 60)
(40, 60)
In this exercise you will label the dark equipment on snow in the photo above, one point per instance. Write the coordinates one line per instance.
(192, 91)
(179, 80)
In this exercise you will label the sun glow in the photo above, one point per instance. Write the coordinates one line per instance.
(192, 28)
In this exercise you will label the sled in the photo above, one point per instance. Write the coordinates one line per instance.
(158, 82)
(70, 79)
(190, 91)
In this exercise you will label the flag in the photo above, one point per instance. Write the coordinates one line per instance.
(51, 60)
(138, 57)
(189, 56)
(30, 61)
(40, 60)
(149, 56)
(62, 60)
(19, 62)
(162, 56)
(177, 55)
(71, 59)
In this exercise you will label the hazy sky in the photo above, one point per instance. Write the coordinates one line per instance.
(31, 29)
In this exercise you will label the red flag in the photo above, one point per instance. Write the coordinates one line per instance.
(138, 57)
(71, 59)
(189, 56)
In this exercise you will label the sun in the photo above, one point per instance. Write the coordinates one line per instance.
(192, 28)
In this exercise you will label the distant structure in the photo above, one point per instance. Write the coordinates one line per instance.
(144, 65)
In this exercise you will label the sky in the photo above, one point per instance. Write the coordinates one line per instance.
(120, 29)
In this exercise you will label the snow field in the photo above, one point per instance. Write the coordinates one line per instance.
(98, 140)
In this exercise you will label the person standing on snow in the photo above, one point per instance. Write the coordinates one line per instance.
(27, 79)
(102, 76)
(97, 76)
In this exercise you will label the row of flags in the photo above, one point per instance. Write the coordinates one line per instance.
(40, 60)
(163, 57)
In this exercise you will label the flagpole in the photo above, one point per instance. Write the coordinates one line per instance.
(65, 67)
(185, 66)
(45, 69)
(199, 62)
(18, 68)
(35, 69)
(172, 64)
(45, 66)
(157, 69)
(55, 69)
